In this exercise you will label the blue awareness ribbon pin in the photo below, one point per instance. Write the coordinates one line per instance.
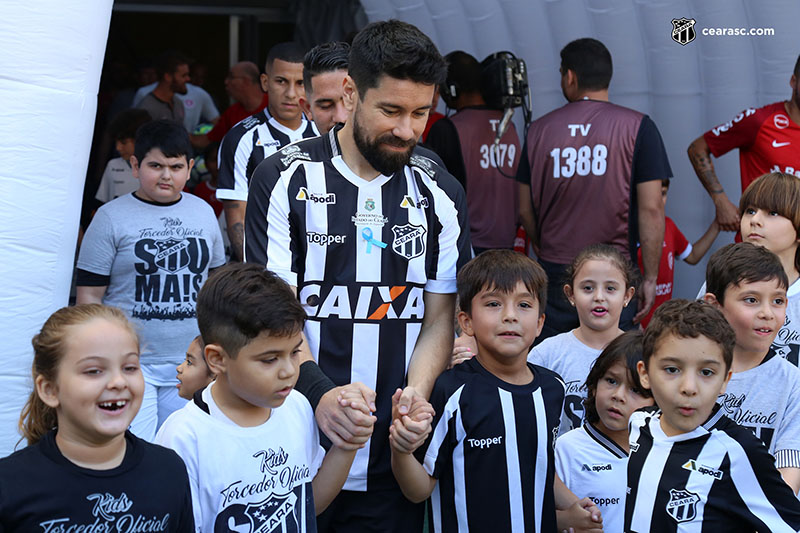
(367, 234)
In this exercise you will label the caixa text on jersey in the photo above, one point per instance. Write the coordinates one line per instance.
(363, 301)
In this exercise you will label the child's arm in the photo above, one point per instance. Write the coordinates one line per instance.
(702, 245)
(574, 514)
(334, 469)
(792, 477)
(331, 476)
(406, 434)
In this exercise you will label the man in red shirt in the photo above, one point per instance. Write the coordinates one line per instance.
(768, 140)
(243, 84)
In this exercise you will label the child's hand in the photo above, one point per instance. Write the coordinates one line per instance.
(464, 348)
(408, 432)
(581, 516)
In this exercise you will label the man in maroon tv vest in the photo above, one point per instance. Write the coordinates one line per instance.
(465, 142)
(590, 173)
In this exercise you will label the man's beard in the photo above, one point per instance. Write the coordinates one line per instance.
(387, 163)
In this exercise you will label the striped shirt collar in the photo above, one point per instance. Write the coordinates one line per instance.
(605, 441)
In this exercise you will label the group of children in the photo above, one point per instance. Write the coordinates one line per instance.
(689, 424)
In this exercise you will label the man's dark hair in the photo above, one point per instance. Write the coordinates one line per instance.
(665, 182)
(742, 262)
(169, 61)
(625, 349)
(127, 122)
(590, 60)
(325, 57)
(240, 301)
(796, 71)
(463, 72)
(289, 51)
(167, 135)
(395, 49)
(689, 319)
(500, 270)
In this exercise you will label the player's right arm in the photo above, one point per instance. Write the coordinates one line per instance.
(700, 156)
(234, 219)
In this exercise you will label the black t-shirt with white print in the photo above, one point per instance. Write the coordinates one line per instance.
(42, 491)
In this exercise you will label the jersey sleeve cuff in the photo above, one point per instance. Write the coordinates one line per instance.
(231, 194)
(787, 459)
(441, 286)
(686, 253)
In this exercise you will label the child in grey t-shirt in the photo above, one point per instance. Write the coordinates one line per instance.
(149, 253)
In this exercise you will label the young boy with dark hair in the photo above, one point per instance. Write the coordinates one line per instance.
(118, 176)
(489, 459)
(249, 440)
(691, 468)
(748, 284)
(149, 253)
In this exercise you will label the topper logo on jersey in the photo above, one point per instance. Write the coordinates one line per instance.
(600, 502)
(694, 466)
(485, 443)
(682, 505)
(371, 302)
(272, 514)
(408, 240)
(323, 239)
(304, 195)
(596, 467)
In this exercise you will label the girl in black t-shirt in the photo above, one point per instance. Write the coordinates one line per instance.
(82, 469)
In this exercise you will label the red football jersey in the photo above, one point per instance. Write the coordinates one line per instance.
(674, 246)
(767, 139)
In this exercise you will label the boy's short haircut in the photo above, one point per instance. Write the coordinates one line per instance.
(169, 61)
(625, 349)
(395, 49)
(742, 262)
(289, 51)
(501, 270)
(240, 301)
(325, 57)
(167, 135)
(689, 319)
(125, 123)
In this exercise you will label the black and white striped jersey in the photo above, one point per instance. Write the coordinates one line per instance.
(716, 478)
(491, 450)
(361, 254)
(247, 144)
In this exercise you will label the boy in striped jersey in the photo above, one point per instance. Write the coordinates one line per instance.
(488, 464)
(691, 468)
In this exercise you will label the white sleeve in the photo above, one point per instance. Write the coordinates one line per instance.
(176, 435)
(104, 190)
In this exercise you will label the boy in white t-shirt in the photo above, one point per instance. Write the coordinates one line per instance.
(118, 176)
(748, 284)
(249, 440)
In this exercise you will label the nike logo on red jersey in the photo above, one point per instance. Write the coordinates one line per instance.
(776, 144)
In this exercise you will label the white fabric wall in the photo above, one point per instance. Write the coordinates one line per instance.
(685, 89)
(51, 54)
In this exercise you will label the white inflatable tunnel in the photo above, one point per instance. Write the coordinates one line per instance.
(52, 56)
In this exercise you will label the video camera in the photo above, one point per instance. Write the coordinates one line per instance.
(504, 85)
